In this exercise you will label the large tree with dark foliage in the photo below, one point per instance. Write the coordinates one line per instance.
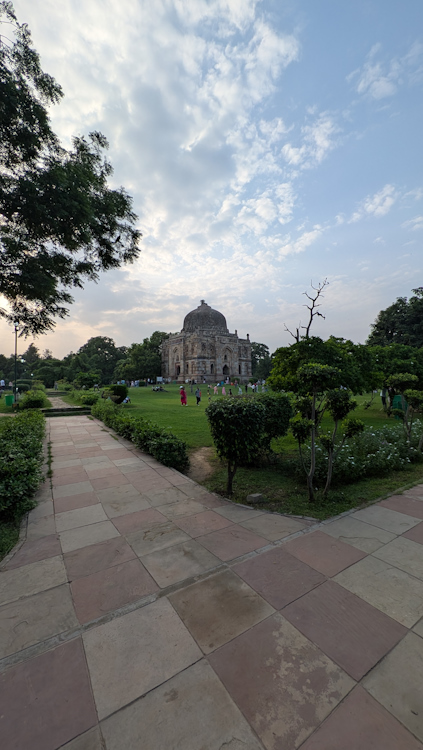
(400, 323)
(60, 223)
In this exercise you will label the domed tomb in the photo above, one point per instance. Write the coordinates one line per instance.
(204, 318)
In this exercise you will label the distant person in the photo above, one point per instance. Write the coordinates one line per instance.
(198, 395)
(183, 396)
(230, 391)
(246, 388)
(215, 390)
(239, 391)
(126, 400)
(223, 390)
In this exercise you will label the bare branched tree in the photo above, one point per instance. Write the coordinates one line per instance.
(313, 311)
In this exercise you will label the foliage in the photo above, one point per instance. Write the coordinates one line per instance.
(34, 400)
(60, 222)
(118, 393)
(277, 415)
(86, 379)
(21, 459)
(162, 444)
(142, 360)
(237, 426)
(88, 399)
(400, 323)
(261, 361)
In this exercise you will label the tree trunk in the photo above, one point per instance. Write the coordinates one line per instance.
(310, 475)
(231, 474)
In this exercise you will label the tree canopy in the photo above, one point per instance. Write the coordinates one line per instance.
(60, 223)
(400, 323)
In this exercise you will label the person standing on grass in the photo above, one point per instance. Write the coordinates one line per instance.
(198, 395)
(215, 391)
(183, 396)
(223, 390)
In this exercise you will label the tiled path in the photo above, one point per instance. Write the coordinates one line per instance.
(143, 613)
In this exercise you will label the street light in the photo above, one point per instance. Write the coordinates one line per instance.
(16, 326)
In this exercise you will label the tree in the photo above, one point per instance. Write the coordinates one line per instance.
(143, 360)
(103, 356)
(60, 223)
(261, 361)
(312, 310)
(32, 355)
(400, 323)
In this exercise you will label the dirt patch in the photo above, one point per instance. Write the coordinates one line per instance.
(200, 464)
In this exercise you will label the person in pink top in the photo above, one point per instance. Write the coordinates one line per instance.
(223, 390)
(215, 390)
(183, 396)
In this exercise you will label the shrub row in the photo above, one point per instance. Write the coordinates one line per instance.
(21, 459)
(34, 400)
(163, 445)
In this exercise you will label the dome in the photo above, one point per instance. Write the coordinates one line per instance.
(205, 318)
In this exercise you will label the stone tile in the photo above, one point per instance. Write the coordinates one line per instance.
(202, 523)
(88, 560)
(232, 542)
(237, 513)
(75, 478)
(115, 494)
(116, 654)
(39, 549)
(142, 519)
(35, 618)
(192, 489)
(95, 472)
(392, 591)
(69, 471)
(403, 554)
(397, 683)
(59, 464)
(90, 453)
(85, 535)
(47, 701)
(31, 578)
(129, 461)
(419, 628)
(41, 528)
(159, 537)
(178, 479)
(415, 534)
(387, 519)
(283, 684)
(72, 519)
(42, 510)
(404, 504)
(161, 497)
(210, 501)
(98, 460)
(323, 553)
(359, 534)
(146, 484)
(272, 526)
(114, 453)
(176, 715)
(351, 632)
(416, 491)
(90, 740)
(110, 589)
(64, 453)
(278, 577)
(72, 489)
(130, 502)
(63, 504)
(184, 508)
(361, 723)
(103, 483)
(174, 564)
(128, 469)
(219, 608)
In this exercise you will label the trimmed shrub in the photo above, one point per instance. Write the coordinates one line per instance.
(277, 414)
(24, 381)
(88, 399)
(23, 387)
(21, 459)
(119, 391)
(33, 400)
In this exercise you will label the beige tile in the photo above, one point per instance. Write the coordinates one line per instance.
(394, 592)
(40, 528)
(236, 513)
(71, 519)
(404, 554)
(396, 682)
(359, 534)
(129, 502)
(135, 653)
(180, 509)
(90, 740)
(35, 618)
(43, 509)
(387, 519)
(272, 526)
(159, 537)
(29, 579)
(419, 628)
(67, 490)
(190, 711)
(85, 535)
(165, 497)
(173, 564)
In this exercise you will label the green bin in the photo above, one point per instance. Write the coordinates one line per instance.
(9, 399)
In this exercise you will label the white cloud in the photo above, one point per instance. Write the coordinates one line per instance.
(376, 205)
(317, 140)
(413, 224)
(381, 79)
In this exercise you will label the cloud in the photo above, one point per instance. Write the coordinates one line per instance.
(414, 224)
(381, 79)
(317, 141)
(376, 205)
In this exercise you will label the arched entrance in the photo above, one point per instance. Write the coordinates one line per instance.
(225, 370)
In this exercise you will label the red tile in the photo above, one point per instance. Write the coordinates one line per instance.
(279, 577)
(202, 523)
(110, 589)
(88, 560)
(75, 501)
(118, 453)
(361, 723)
(403, 504)
(39, 549)
(415, 534)
(232, 542)
(141, 519)
(144, 485)
(67, 471)
(90, 452)
(103, 471)
(103, 483)
(346, 628)
(77, 476)
(47, 701)
(65, 451)
(324, 553)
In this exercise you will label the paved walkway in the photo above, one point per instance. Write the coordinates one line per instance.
(144, 613)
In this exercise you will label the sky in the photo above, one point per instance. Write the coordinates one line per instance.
(267, 144)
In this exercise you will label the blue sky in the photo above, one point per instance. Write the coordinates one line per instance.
(266, 145)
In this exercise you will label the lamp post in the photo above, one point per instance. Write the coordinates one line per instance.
(16, 326)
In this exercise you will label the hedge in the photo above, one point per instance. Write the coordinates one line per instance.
(21, 459)
(163, 445)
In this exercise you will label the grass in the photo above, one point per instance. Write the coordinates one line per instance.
(9, 410)
(9, 535)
